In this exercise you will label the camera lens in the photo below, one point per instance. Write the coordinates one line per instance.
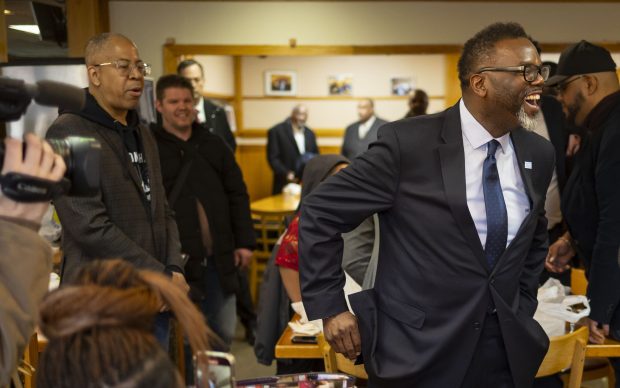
(81, 155)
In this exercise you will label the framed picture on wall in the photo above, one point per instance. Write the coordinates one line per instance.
(280, 83)
(401, 86)
(340, 84)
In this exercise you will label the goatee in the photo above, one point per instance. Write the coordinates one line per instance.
(528, 122)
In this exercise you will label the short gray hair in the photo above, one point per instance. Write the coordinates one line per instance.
(99, 42)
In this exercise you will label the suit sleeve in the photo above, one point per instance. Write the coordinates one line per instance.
(25, 265)
(86, 220)
(337, 206)
(239, 200)
(535, 260)
(227, 135)
(274, 152)
(604, 274)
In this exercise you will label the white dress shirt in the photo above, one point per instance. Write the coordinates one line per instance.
(200, 107)
(475, 139)
(365, 127)
(300, 138)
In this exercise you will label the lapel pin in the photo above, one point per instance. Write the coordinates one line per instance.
(528, 165)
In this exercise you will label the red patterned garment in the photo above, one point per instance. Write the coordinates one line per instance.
(287, 255)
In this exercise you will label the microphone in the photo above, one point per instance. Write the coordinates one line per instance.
(15, 96)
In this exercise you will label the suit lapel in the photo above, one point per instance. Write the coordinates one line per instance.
(452, 158)
(291, 137)
(526, 164)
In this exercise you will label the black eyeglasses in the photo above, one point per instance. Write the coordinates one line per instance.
(561, 87)
(530, 72)
(125, 67)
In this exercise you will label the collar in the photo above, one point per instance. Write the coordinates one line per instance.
(601, 111)
(475, 133)
(371, 120)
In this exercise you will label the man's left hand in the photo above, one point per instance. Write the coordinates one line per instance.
(243, 256)
(597, 334)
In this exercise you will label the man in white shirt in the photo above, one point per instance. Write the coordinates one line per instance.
(460, 197)
(290, 144)
(360, 134)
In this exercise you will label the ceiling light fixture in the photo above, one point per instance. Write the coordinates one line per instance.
(29, 28)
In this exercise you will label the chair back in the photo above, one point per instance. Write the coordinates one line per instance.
(268, 226)
(336, 362)
(578, 281)
(566, 351)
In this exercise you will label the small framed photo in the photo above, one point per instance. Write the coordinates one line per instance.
(340, 84)
(401, 86)
(280, 83)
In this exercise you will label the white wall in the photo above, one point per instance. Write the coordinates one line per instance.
(350, 23)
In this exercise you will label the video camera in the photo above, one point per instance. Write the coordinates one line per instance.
(80, 154)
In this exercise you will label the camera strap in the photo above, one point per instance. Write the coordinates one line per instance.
(26, 188)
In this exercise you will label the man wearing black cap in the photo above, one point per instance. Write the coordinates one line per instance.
(588, 88)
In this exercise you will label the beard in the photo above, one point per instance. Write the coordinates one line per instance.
(528, 122)
(574, 108)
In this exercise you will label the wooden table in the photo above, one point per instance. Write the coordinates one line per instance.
(286, 349)
(277, 204)
(610, 348)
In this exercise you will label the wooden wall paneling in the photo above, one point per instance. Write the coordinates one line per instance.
(85, 18)
(453, 85)
(257, 173)
(4, 47)
(238, 97)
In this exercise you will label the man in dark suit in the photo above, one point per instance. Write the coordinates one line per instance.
(589, 91)
(359, 135)
(290, 145)
(211, 116)
(460, 197)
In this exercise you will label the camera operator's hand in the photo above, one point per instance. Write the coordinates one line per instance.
(40, 161)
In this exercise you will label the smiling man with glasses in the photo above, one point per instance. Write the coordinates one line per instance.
(460, 196)
(129, 218)
(589, 91)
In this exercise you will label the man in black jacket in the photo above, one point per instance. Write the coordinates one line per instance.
(211, 116)
(589, 90)
(290, 144)
(206, 190)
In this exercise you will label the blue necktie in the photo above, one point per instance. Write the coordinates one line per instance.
(497, 218)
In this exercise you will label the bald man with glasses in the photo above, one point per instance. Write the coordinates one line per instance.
(129, 217)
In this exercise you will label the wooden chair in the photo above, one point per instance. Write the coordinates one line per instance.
(567, 351)
(30, 362)
(269, 226)
(337, 363)
(595, 367)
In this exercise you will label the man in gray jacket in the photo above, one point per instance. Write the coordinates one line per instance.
(129, 216)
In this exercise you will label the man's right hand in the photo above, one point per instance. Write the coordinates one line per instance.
(342, 333)
(559, 255)
(179, 280)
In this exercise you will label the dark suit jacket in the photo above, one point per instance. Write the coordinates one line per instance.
(558, 135)
(421, 322)
(283, 154)
(352, 145)
(116, 221)
(217, 123)
(591, 208)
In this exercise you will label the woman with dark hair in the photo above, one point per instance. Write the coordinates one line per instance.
(100, 329)
(418, 103)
